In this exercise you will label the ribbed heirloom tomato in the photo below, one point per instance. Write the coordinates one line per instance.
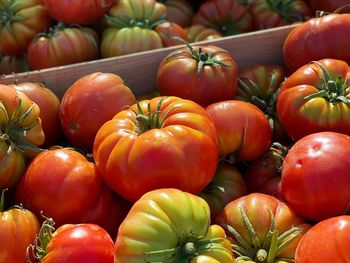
(163, 142)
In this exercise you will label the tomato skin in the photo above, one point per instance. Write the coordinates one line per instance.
(327, 5)
(198, 33)
(177, 75)
(313, 114)
(179, 12)
(314, 169)
(226, 16)
(134, 163)
(49, 105)
(169, 30)
(65, 177)
(299, 46)
(94, 98)
(269, 14)
(258, 208)
(171, 218)
(22, 20)
(64, 46)
(242, 128)
(80, 243)
(325, 242)
(81, 12)
(18, 228)
(13, 64)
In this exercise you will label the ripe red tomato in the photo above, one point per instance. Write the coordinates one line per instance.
(78, 243)
(93, 99)
(315, 175)
(157, 143)
(226, 16)
(179, 12)
(49, 105)
(269, 14)
(63, 46)
(316, 98)
(327, 241)
(242, 129)
(168, 31)
(71, 181)
(18, 228)
(81, 12)
(299, 46)
(262, 227)
(20, 21)
(203, 74)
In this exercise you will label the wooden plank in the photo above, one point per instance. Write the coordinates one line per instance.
(139, 69)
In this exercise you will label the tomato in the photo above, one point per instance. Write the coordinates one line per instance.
(62, 46)
(94, 98)
(315, 175)
(20, 21)
(259, 84)
(226, 186)
(79, 243)
(169, 31)
(179, 12)
(226, 16)
(327, 5)
(263, 175)
(154, 144)
(13, 64)
(299, 46)
(131, 24)
(275, 13)
(242, 129)
(18, 227)
(49, 105)
(64, 176)
(204, 74)
(315, 98)
(81, 12)
(198, 33)
(264, 224)
(21, 133)
(175, 228)
(334, 232)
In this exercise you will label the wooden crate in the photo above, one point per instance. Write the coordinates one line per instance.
(139, 69)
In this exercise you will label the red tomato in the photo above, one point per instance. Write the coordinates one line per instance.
(198, 33)
(179, 12)
(18, 228)
(78, 243)
(49, 105)
(275, 13)
(154, 144)
(203, 74)
(327, 5)
(63, 46)
(262, 228)
(242, 129)
(327, 241)
(20, 21)
(299, 46)
(168, 31)
(81, 12)
(316, 98)
(92, 99)
(71, 181)
(315, 175)
(226, 16)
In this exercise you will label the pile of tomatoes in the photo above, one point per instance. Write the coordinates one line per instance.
(219, 164)
(39, 34)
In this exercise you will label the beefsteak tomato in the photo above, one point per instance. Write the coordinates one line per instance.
(163, 142)
(13, 64)
(198, 33)
(168, 32)
(179, 12)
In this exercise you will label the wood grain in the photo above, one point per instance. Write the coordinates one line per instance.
(139, 70)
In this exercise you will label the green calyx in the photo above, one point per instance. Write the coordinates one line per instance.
(153, 119)
(262, 251)
(8, 14)
(37, 250)
(130, 23)
(189, 247)
(333, 89)
(284, 8)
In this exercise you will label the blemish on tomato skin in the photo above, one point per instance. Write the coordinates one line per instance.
(299, 163)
